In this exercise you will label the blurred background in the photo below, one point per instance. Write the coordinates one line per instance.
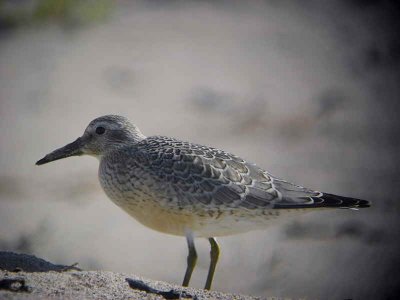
(308, 90)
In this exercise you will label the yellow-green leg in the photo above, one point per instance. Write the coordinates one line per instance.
(214, 254)
(191, 260)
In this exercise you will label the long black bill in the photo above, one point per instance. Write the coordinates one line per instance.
(72, 149)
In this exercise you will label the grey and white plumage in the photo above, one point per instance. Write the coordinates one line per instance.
(185, 189)
(187, 179)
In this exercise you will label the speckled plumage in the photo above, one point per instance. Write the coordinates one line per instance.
(199, 184)
(214, 192)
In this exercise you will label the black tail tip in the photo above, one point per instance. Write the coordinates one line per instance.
(363, 203)
(344, 202)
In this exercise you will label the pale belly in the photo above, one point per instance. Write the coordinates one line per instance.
(200, 222)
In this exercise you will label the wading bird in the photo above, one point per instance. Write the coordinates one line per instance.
(187, 189)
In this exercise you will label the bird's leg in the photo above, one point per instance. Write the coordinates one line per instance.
(191, 260)
(214, 254)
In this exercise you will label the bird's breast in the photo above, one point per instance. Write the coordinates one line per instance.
(136, 197)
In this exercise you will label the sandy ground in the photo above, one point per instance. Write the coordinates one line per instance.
(44, 280)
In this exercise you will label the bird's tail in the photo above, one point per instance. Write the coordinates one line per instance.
(331, 200)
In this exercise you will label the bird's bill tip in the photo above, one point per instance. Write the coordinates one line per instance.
(42, 161)
(72, 149)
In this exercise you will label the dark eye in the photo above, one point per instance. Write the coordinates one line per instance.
(100, 130)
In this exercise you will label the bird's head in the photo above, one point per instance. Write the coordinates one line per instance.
(103, 134)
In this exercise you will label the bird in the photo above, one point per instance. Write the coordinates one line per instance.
(190, 190)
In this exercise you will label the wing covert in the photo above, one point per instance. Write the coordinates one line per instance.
(202, 175)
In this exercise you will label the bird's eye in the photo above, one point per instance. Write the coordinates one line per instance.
(100, 130)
